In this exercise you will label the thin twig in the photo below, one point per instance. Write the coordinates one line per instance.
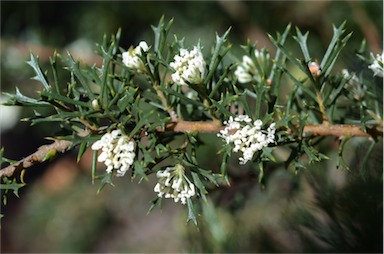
(170, 110)
(325, 129)
(186, 126)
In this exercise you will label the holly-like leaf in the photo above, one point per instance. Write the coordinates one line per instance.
(19, 99)
(105, 179)
(40, 76)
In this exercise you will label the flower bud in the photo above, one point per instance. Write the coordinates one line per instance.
(95, 104)
(131, 58)
(314, 68)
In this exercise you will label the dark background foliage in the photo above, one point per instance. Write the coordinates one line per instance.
(322, 209)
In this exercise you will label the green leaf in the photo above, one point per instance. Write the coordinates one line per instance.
(116, 39)
(279, 61)
(94, 165)
(156, 202)
(60, 98)
(50, 154)
(218, 54)
(10, 185)
(209, 175)
(107, 57)
(74, 66)
(124, 102)
(142, 122)
(139, 169)
(191, 212)
(220, 82)
(261, 172)
(22, 100)
(334, 55)
(368, 153)
(294, 60)
(244, 102)
(40, 76)
(106, 179)
(52, 60)
(157, 31)
(199, 184)
(160, 148)
(226, 101)
(182, 96)
(214, 225)
(302, 40)
(83, 147)
(300, 84)
(313, 154)
(337, 32)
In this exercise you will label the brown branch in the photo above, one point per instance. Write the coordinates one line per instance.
(184, 127)
(170, 110)
(324, 129)
(43, 153)
(341, 130)
(367, 26)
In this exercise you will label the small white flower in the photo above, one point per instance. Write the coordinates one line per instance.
(246, 71)
(189, 67)
(377, 65)
(245, 137)
(131, 58)
(173, 183)
(354, 84)
(117, 151)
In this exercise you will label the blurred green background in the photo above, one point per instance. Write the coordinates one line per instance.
(322, 209)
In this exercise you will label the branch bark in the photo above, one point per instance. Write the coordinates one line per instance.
(338, 130)
(42, 154)
(341, 130)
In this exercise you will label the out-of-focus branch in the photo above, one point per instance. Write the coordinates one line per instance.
(367, 26)
(23, 50)
(339, 130)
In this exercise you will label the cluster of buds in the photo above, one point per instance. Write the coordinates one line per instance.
(377, 65)
(117, 151)
(189, 67)
(173, 183)
(246, 71)
(246, 137)
(132, 59)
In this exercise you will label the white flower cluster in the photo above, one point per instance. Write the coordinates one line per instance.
(354, 84)
(118, 152)
(377, 65)
(246, 71)
(131, 58)
(248, 138)
(189, 67)
(174, 184)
